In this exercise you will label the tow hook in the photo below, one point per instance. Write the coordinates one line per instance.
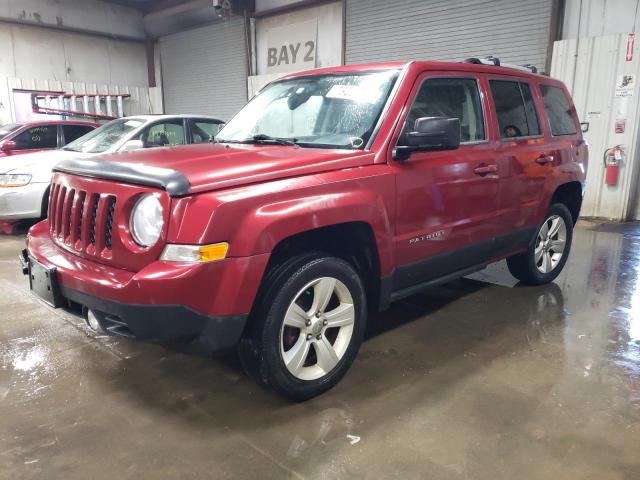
(23, 258)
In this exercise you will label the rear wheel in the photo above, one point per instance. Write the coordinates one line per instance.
(307, 328)
(546, 256)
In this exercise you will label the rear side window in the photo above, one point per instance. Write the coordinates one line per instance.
(204, 131)
(516, 111)
(43, 136)
(453, 98)
(558, 110)
(72, 132)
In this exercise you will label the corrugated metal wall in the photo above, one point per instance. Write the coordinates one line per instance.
(516, 31)
(590, 67)
(204, 70)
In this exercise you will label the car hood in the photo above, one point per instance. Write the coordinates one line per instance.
(214, 166)
(38, 164)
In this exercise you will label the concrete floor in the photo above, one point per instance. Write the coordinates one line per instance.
(480, 379)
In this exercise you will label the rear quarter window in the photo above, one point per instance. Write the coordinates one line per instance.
(559, 110)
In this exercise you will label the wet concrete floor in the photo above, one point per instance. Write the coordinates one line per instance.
(479, 379)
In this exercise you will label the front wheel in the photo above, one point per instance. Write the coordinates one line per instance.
(307, 328)
(547, 254)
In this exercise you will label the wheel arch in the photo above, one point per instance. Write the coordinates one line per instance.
(353, 242)
(570, 195)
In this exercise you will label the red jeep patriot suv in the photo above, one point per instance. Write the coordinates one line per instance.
(332, 192)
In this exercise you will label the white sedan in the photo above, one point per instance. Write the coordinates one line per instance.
(24, 180)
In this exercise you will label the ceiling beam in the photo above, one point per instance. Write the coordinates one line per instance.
(177, 9)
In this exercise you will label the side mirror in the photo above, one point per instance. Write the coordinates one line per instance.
(132, 145)
(430, 134)
(584, 126)
(8, 145)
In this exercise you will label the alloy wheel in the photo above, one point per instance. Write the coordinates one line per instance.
(317, 328)
(550, 244)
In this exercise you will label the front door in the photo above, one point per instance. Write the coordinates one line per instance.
(34, 139)
(446, 215)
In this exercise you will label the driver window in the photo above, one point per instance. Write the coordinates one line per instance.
(452, 98)
(163, 134)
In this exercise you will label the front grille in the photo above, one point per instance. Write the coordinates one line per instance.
(89, 217)
(82, 220)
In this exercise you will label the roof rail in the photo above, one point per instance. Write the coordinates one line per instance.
(495, 62)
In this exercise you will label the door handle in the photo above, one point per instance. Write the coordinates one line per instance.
(485, 169)
(544, 159)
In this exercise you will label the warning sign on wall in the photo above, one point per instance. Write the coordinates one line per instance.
(625, 85)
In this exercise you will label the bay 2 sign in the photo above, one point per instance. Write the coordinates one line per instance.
(292, 47)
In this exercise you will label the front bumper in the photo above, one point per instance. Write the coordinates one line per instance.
(163, 300)
(18, 203)
(161, 322)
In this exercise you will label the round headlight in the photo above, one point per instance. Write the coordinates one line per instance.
(146, 220)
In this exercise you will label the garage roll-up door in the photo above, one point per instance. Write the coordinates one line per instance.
(516, 31)
(204, 70)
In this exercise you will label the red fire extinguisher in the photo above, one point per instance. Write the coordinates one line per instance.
(612, 159)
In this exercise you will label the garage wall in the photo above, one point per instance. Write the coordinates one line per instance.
(516, 31)
(595, 18)
(592, 69)
(46, 54)
(204, 70)
(80, 15)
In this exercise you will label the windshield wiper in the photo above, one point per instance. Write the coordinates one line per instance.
(262, 139)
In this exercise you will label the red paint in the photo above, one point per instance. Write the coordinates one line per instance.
(254, 196)
(27, 125)
(631, 40)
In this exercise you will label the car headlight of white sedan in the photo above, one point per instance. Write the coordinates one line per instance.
(14, 179)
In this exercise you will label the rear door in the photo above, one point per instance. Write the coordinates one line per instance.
(73, 132)
(523, 158)
(446, 200)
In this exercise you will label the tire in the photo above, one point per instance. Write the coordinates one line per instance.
(541, 263)
(295, 358)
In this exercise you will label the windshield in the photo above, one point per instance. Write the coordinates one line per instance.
(329, 111)
(102, 139)
(7, 129)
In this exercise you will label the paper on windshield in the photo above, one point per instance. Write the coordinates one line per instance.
(354, 93)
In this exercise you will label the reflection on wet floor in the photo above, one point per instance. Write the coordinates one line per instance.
(481, 378)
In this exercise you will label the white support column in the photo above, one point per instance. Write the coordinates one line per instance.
(97, 105)
(109, 106)
(120, 108)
